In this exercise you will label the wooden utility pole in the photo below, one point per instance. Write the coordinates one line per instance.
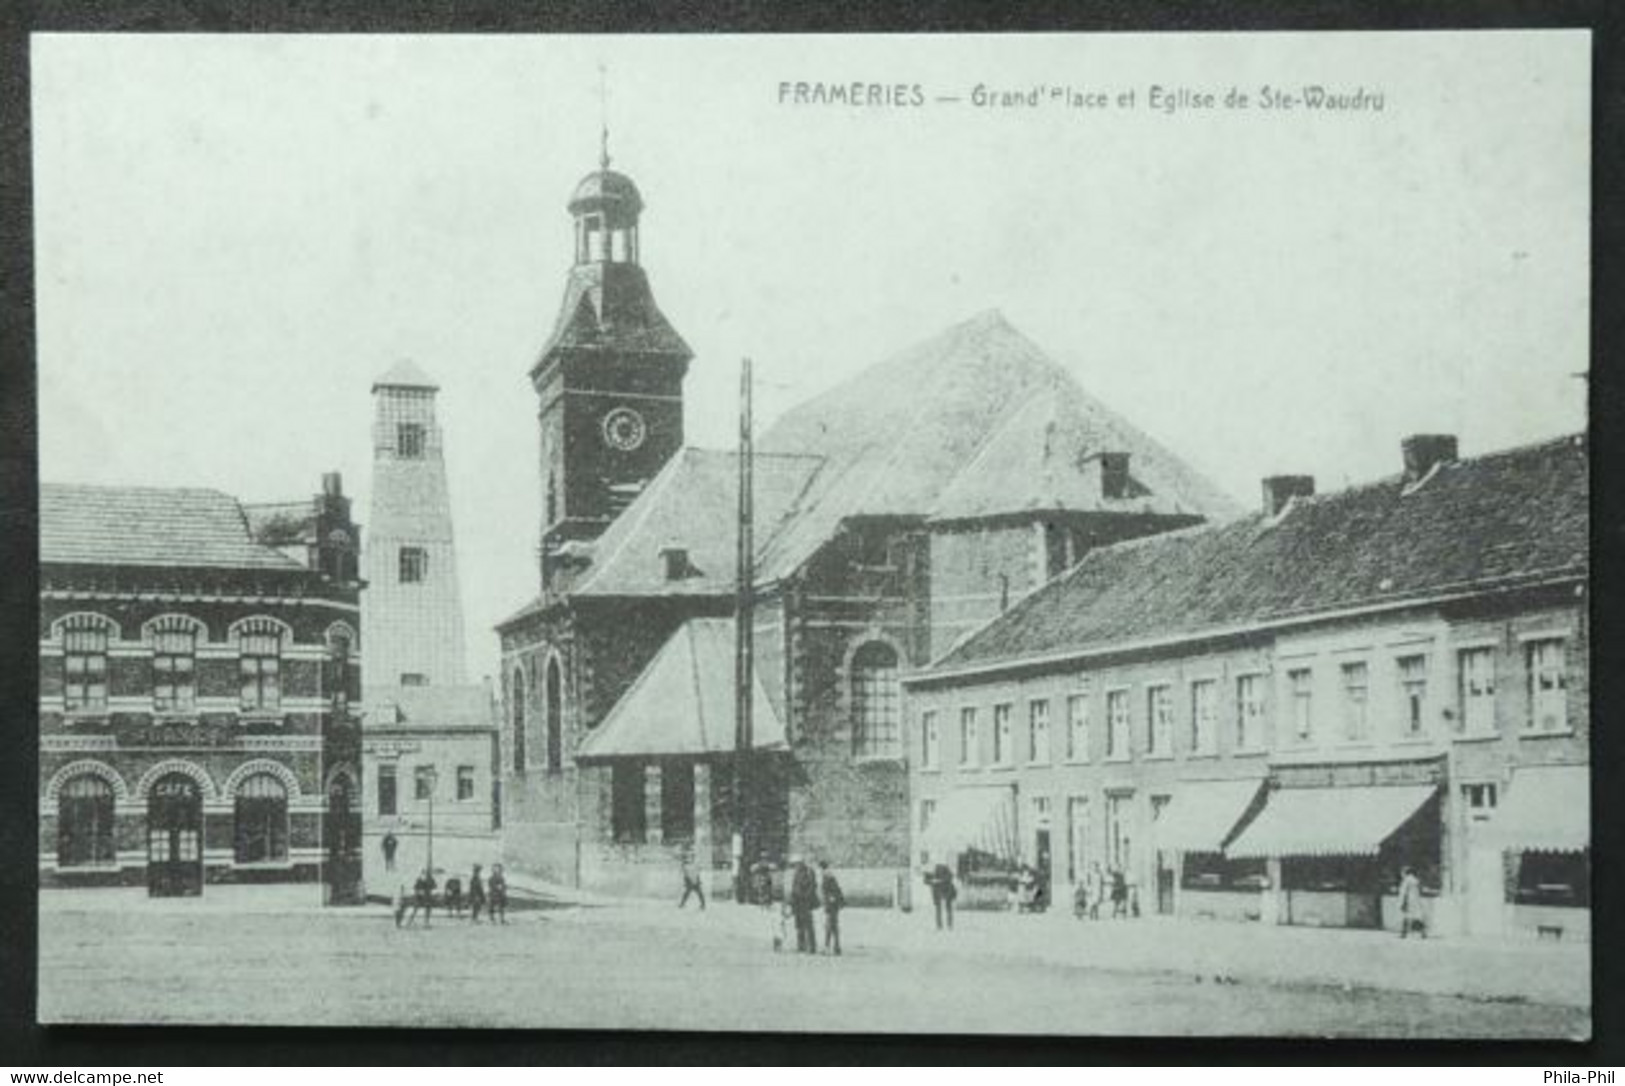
(744, 649)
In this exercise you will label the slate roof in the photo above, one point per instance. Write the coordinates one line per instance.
(682, 703)
(149, 526)
(463, 705)
(609, 307)
(1499, 520)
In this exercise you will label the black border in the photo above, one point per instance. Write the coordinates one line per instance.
(23, 1043)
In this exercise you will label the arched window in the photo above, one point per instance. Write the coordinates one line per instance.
(517, 694)
(84, 826)
(259, 663)
(339, 638)
(875, 726)
(262, 820)
(555, 717)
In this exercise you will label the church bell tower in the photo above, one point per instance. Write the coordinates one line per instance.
(610, 378)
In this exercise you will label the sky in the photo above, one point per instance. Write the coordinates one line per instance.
(235, 235)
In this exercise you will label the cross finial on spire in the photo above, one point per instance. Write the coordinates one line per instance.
(603, 118)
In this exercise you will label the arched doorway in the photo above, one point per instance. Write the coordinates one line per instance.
(555, 717)
(175, 837)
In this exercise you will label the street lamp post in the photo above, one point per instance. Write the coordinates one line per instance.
(434, 784)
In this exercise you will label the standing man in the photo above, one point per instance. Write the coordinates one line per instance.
(691, 880)
(389, 844)
(943, 892)
(476, 895)
(829, 889)
(422, 898)
(1410, 905)
(803, 900)
(498, 889)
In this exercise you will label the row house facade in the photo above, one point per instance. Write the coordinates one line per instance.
(199, 690)
(1270, 719)
(885, 527)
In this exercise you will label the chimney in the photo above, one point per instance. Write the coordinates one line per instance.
(676, 559)
(332, 484)
(1280, 489)
(1422, 452)
(1114, 475)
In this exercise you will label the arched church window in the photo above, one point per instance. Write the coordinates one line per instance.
(876, 727)
(555, 717)
(517, 693)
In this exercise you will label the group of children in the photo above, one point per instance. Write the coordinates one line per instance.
(489, 896)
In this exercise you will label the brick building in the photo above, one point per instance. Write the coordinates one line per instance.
(198, 679)
(1269, 719)
(893, 514)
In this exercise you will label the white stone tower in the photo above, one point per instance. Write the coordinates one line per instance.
(411, 613)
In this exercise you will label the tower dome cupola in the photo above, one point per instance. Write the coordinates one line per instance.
(606, 205)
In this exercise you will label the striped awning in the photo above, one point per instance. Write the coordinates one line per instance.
(1202, 815)
(1333, 821)
(1547, 809)
(983, 819)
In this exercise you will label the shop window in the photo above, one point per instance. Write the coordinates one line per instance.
(1002, 739)
(1413, 694)
(413, 565)
(928, 739)
(84, 646)
(262, 820)
(1038, 731)
(1119, 833)
(1077, 728)
(260, 669)
(1215, 871)
(84, 833)
(386, 790)
(409, 440)
(970, 740)
(1547, 667)
(1477, 690)
(1554, 878)
(1078, 850)
(1159, 721)
(1356, 697)
(1117, 725)
(174, 667)
(626, 803)
(1204, 716)
(465, 782)
(677, 802)
(875, 732)
(1301, 682)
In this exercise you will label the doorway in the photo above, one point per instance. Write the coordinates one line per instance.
(175, 837)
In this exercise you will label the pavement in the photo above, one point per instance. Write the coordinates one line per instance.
(1196, 951)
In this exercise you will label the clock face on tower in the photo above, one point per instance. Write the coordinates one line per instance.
(624, 429)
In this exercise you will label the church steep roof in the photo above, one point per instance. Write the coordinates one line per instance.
(933, 431)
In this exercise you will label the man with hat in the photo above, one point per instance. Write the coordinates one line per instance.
(803, 900)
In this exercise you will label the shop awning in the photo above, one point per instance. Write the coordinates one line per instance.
(1547, 809)
(683, 702)
(1203, 814)
(1332, 821)
(973, 818)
